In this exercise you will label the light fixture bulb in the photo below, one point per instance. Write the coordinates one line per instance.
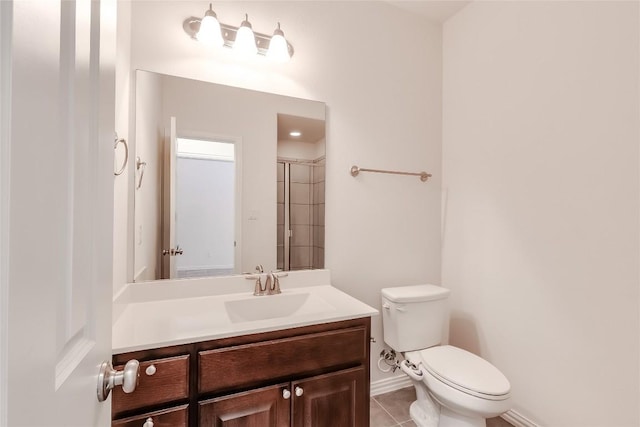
(209, 32)
(295, 133)
(278, 48)
(245, 43)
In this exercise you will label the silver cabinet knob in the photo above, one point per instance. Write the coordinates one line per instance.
(286, 393)
(109, 378)
(148, 423)
(151, 370)
(299, 391)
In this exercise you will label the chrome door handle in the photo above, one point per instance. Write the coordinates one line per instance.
(109, 378)
(173, 252)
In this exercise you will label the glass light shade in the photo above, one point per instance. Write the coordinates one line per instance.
(245, 43)
(210, 33)
(278, 49)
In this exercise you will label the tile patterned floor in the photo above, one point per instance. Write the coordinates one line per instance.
(392, 410)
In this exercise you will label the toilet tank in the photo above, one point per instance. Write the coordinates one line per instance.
(414, 317)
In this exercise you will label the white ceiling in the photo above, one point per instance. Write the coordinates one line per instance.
(435, 10)
(312, 129)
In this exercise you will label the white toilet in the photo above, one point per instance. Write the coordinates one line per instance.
(453, 387)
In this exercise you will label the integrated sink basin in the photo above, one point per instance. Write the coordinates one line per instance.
(159, 314)
(256, 308)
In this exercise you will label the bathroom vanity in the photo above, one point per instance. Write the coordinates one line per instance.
(300, 358)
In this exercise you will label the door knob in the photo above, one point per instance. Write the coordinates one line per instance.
(299, 391)
(109, 378)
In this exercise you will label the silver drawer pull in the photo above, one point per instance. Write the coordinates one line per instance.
(286, 393)
(151, 369)
(148, 423)
(299, 391)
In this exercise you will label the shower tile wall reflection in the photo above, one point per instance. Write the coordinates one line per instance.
(306, 215)
(300, 216)
(318, 173)
(280, 217)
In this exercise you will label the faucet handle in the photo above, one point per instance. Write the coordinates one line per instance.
(258, 290)
(275, 286)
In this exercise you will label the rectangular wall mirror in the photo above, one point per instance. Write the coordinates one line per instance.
(225, 179)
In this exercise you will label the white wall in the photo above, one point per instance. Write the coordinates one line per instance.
(383, 92)
(150, 147)
(540, 160)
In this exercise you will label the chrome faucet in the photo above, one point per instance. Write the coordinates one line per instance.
(272, 283)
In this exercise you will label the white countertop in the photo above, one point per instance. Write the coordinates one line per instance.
(159, 314)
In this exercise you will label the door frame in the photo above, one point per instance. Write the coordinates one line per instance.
(6, 13)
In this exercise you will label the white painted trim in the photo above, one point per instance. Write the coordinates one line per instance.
(138, 276)
(518, 420)
(77, 349)
(390, 384)
(6, 23)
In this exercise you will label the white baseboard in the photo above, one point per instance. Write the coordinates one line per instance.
(517, 419)
(390, 384)
(387, 385)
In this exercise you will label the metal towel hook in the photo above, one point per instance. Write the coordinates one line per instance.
(126, 154)
(141, 166)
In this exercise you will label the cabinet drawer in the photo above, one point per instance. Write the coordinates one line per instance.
(173, 417)
(170, 382)
(256, 363)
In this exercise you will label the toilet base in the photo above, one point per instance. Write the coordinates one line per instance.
(424, 413)
(449, 418)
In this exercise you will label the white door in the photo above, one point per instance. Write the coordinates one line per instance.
(57, 136)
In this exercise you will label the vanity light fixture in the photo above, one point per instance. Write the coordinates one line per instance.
(295, 133)
(242, 39)
(278, 49)
(209, 32)
(245, 43)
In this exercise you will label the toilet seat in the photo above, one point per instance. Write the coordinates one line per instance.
(465, 372)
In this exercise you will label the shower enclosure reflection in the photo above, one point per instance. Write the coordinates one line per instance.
(300, 192)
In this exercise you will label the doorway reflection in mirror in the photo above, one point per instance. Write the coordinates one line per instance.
(205, 214)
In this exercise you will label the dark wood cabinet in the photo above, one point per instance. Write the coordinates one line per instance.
(313, 376)
(337, 399)
(264, 407)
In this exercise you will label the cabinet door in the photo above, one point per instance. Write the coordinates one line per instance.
(339, 399)
(264, 407)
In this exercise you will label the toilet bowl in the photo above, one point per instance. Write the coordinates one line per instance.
(453, 387)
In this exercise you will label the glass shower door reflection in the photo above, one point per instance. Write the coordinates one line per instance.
(300, 244)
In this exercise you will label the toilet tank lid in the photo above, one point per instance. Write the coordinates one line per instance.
(415, 293)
